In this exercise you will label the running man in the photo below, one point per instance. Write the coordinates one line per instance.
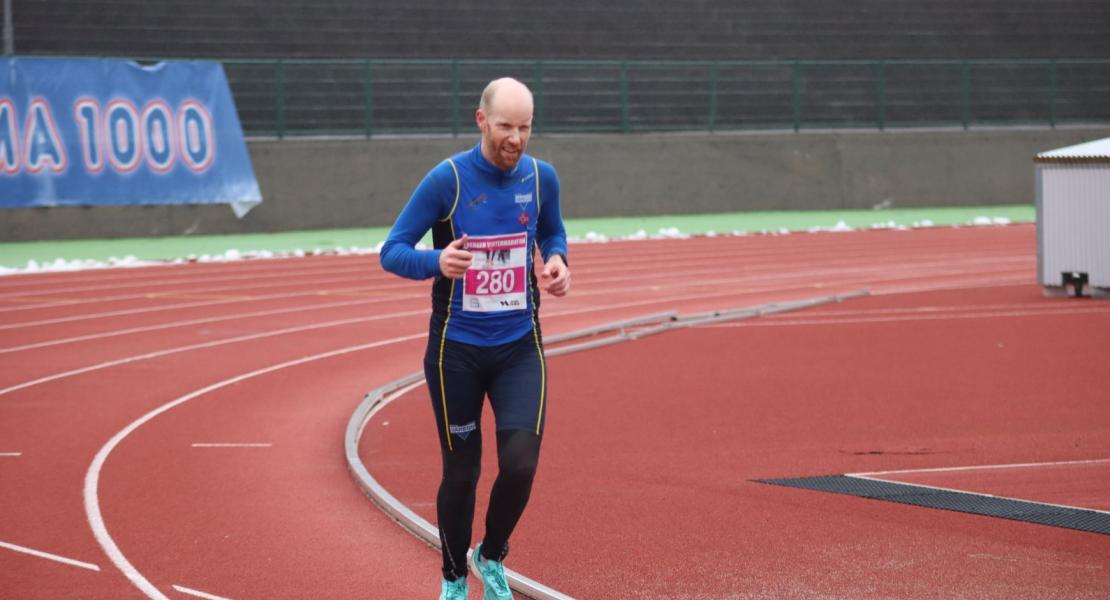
(487, 208)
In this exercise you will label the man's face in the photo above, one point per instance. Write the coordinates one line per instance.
(506, 128)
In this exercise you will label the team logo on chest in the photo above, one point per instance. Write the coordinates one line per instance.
(523, 200)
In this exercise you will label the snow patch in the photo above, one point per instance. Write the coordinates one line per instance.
(840, 226)
(62, 264)
(130, 261)
(984, 221)
(590, 237)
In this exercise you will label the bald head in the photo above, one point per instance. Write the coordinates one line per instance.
(504, 117)
(505, 91)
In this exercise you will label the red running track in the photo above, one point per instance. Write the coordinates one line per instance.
(646, 486)
(177, 430)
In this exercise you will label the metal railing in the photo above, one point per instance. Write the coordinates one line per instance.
(369, 97)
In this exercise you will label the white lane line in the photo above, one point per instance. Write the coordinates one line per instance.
(198, 304)
(231, 445)
(198, 594)
(1060, 463)
(725, 292)
(92, 476)
(793, 278)
(1015, 559)
(284, 274)
(49, 556)
(170, 325)
(834, 275)
(196, 272)
(1047, 304)
(906, 318)
(980, 494)
(212, 344)
(925, 266)
(241, 293)
(932, 268)
(879, 476)
(11, 454)
(1017, 279)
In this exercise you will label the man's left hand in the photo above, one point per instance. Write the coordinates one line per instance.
(557, 276)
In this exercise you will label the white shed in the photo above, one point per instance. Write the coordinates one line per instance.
(1073, 219)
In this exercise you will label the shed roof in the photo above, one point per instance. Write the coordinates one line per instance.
(1097, 151)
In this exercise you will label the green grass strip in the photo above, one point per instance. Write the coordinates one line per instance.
(20, 254)
(754, 222)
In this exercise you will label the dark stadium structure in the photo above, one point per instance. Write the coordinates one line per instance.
(619, 29)
(779, 104)
(622, 66)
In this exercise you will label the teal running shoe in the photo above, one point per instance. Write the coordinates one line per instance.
(492, 573)
(454, 590)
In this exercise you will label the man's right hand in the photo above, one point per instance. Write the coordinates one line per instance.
(454, 260)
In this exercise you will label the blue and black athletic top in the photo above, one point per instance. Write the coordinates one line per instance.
(505, 214)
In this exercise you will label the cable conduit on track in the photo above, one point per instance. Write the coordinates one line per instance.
(624, 330)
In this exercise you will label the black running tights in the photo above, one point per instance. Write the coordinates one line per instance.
(517, 455)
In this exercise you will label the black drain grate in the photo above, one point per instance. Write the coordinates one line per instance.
(965, 502)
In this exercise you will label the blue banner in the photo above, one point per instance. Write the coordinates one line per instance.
(97, 131)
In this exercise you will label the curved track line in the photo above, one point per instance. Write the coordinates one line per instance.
(379, 398)
(92, 476)
(654, 264)
(784, 263)
(1016, 279)
(312, 284)
(171, 325)
(857, 274)
(202, 303)
(921, 317)
(115, 272)
(933, 310)
(283, 274)
(929, 265)
(147, 270)
(590, 309)
(215, 319)
(168, 351)
(255, 336)
(197, 593)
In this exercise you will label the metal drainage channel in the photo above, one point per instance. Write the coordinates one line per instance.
(618, 331)
(1053, 515)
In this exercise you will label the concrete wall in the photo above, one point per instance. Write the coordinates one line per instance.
(314, 184)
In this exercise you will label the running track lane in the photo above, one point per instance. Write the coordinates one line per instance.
(149, 479)
(654, 472)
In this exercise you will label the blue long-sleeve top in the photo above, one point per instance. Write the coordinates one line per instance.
(466, 194)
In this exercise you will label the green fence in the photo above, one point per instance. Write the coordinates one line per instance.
(379, 96)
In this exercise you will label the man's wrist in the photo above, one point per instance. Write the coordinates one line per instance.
(432, 265)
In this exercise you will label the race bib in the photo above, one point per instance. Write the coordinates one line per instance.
(495, 280)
